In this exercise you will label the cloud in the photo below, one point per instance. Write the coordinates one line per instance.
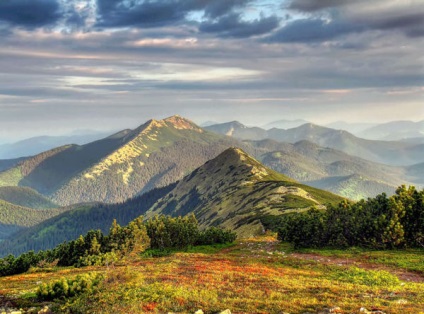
(139, 14)
(316, 5)
(149, 13)
(30, 13)
(347, 16)
(232, 25)
(313, 30)
(219, 8)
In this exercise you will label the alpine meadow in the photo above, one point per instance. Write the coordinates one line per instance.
(211, 157)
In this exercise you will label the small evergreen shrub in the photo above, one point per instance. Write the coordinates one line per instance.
(66, 288)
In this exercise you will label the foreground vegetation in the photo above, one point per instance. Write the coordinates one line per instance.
(380, 223)
(160, 232)
(253, 276)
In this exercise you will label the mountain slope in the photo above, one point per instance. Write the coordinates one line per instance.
(120, 166)
(416, 173)
(76, 221)
(235, 191)
(14, 218)
(326, 168)
(26, 197)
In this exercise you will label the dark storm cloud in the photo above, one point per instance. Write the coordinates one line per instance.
(148, 13)
(30, 13)
(232, 25)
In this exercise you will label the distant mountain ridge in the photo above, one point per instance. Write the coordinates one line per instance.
(393, 153)
(285, 124)
(160, 152)
(35, 145)
(394, 131)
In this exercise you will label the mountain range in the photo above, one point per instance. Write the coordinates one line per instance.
(160, 152)
(172, 166)
(232, 190)
(389, 152)
(120, 166)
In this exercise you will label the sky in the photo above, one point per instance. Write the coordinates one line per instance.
(113, 64)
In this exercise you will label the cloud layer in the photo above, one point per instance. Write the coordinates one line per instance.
(126, 61)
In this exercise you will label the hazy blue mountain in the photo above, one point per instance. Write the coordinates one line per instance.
(285, 124)
(35, 145)
(395, 130)
(389, 152)
(237, 130)
(352, 127)
(10, 163)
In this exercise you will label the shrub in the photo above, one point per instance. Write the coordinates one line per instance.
(65, 288)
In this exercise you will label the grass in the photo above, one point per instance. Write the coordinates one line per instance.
(253, 276)
(408, 259)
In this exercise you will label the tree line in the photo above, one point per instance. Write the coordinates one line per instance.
(95, 248)
(379, 223)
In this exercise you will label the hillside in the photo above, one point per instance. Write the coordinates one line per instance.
(25, 197)
(120, 166)
(14, 218)
(330, 169)
(235, 191)
(416, 173)
(77, 220)
(398, 153)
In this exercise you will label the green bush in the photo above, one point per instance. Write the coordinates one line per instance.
(215, 235)
(65, 288)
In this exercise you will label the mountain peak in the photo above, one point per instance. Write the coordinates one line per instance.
(180, 123)
(235, 163)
